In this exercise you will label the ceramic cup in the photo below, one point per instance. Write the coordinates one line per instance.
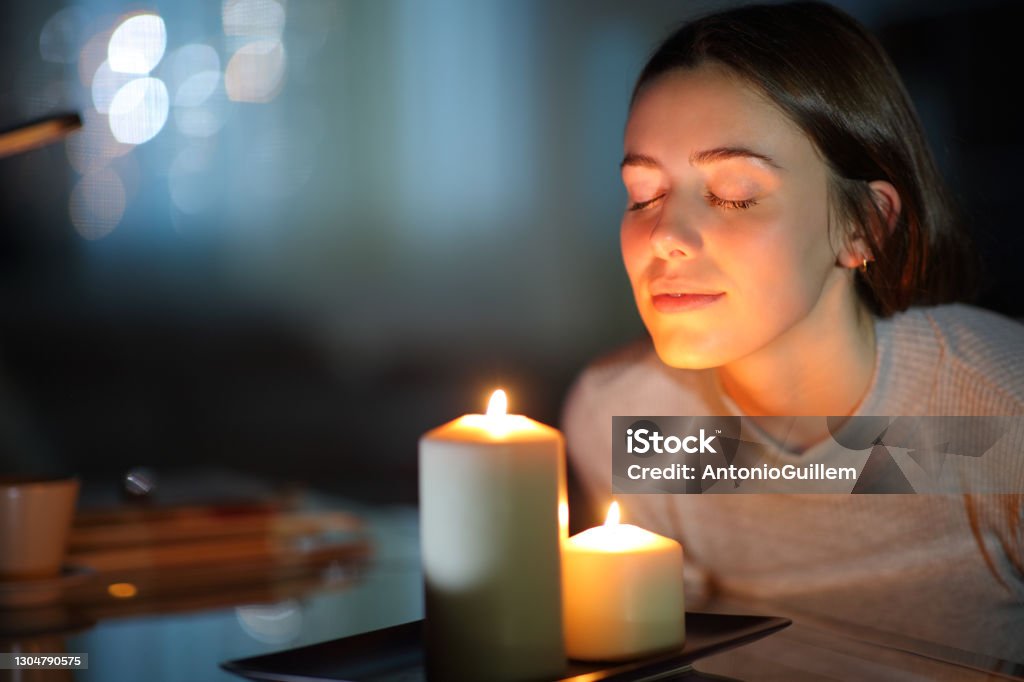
(35, 520)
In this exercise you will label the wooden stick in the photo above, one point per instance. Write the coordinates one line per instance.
(37, 134)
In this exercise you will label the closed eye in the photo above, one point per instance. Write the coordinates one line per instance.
(641, 205)
(728, 203)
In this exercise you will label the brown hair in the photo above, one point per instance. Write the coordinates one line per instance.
(836, 83)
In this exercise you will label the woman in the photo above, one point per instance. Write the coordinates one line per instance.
(791, 252)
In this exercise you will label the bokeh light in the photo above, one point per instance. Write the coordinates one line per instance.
(136, 83)
(195, 82)
(97, 204)
(271, 623)
(138, 44)
(139, 110)
(197, 89)
(93, 54)
(187, 61)
(105, 84)
(253, 18)
(59, 39)
(199, 121)
(122, 590)
(94, 146)
(256, 72)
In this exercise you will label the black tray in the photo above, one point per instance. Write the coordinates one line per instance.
(395, 654)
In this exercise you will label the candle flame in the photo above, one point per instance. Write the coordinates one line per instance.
(613, 515)
(498, 404)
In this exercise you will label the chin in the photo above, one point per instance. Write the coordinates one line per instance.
(685, 356)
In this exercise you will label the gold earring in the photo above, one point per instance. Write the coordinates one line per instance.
(864, 265)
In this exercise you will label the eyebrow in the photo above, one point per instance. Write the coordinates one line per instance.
(702, 158)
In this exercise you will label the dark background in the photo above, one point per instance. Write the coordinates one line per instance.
(426, 208)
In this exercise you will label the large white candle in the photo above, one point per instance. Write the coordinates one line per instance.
(623, 590)
(492, 493)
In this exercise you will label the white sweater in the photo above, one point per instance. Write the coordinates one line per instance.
(944, 568)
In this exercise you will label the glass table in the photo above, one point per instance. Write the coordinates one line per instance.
(177, 627)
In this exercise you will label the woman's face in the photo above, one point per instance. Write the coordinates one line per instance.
(725, 238)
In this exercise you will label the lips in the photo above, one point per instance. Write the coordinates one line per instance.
(672, 285)
(681, 302)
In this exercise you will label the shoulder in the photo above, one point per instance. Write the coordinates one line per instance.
(618, 373)
(632, 364)
(976, 346)
(970, 330)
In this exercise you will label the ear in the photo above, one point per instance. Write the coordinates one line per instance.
(887, 200)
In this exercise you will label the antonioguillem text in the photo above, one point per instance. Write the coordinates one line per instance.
(787, 472)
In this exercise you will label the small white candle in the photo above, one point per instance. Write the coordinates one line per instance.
(623, 591)
(492, 494)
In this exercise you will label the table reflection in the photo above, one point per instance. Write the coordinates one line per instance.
(170, 592)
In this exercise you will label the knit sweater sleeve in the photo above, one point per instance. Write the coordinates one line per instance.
(982, 373)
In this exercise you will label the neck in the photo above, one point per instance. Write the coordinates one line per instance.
(823, 365)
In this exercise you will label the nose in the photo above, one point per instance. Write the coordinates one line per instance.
(674, 235)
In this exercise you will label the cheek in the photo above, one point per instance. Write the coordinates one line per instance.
(781, 265)
(635, 248)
